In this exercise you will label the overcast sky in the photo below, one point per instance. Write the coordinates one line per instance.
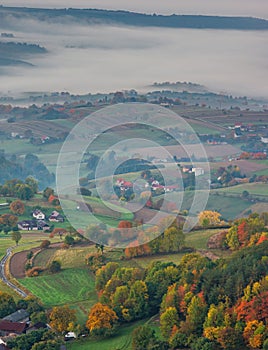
(256, 8)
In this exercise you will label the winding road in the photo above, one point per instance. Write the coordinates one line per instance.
(4, 277)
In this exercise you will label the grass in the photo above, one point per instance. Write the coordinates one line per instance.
(259, 189)
(198, 239)
(66, 287)
(229, 208)
(74, 257)
(122, 340)
(43, 257)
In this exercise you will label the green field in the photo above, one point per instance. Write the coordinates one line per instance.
(229, 208)
(68, 286)
(122, 340)
(198, 239)
(258, 189)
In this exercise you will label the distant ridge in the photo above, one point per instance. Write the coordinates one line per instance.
(94, 16)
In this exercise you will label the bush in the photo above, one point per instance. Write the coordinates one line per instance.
(45, 244)
(35, 271)
(55, 266)
(95, 261)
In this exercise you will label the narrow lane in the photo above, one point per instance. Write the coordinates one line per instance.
(4, 277)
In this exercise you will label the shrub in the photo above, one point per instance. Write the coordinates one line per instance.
(55, 266)
(35, 271)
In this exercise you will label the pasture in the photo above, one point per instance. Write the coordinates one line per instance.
(67, 287)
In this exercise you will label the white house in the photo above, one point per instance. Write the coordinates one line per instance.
(38, 214)
(198, 171)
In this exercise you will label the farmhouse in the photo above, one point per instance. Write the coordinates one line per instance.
(38, 214)
(7, 328)
(18, 316)
(56, 217)
(42, 225)
(32, 225)
(198, 171)
(27, 225)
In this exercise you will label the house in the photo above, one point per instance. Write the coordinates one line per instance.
(198, 171)
(42, 225)
(3, 346)
(27, 225)
(264, 139)
(18, 316)
(8, 327)
(38, 214)
(36, 327)
(56, 217)
(32, 225)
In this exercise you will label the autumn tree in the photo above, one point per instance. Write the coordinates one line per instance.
(48, 192)
(17, 207)
(7, 304)
(101, 320)
(209, 218)
(24, 192)
(142, 337)
(8, 221)
(168, 320)
(32, 183)
(45, 244)
(62, 319)
(16, 236)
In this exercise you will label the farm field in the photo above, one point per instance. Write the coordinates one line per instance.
(198, 239)
(229, 209)
(69, 286)
(259, 189)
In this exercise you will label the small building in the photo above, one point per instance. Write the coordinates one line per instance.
(198, 171)
(264, 139)
(56, 217)
(38, 214)
(18, 316)
(33, 225)
(42, 225)
(27, 225)
(8, 327)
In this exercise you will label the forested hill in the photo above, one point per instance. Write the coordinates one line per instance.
(93, 16)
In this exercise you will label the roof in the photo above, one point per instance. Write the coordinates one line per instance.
(15, 327)
(17, 316)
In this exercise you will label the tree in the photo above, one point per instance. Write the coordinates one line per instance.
(101, 320)
(62, 319)
(48, 192)
(55, 266)
(37, 317)
(8, 220)
(168, 320)
(16, 236)
(17, 207)
(196, 313)
(209, 218)
(142, 336)
(47, 345)
(24, 192)
(7, 304)
(32, 183)
(45, 244)
(69, 240)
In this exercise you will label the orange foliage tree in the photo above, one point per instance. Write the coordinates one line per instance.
(101, 320)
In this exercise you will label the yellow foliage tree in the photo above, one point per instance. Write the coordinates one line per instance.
(209, 218)
(100, 319)
(62, 319)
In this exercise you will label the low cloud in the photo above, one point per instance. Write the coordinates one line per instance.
(105, 58)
